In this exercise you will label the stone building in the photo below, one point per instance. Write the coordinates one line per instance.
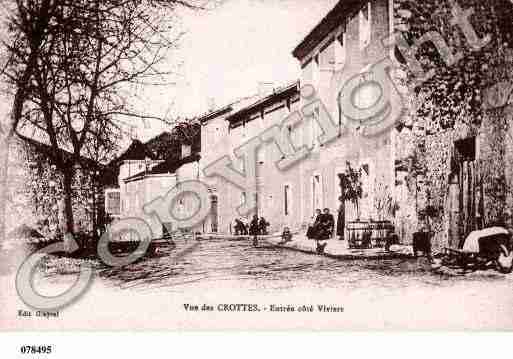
(149, 170)
(420, 178)
(463, 173)
(224, 130)
(347, 42)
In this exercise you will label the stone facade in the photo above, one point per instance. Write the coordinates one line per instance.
(329, 58)
(227, 129)
(142, 181)
(464, 173)
(346, 42)
(36, 197)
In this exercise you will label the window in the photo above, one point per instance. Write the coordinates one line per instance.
(260, 154)
(466, 149)
(180, 209)
(315, 130)
(327, 55)
(286, 199)
(238, 164)
(113, 202)
(366, 95)
(317, 192)
(316, 72)
(367, 181)
(243, 197)
(340, 50)
(307, 73)
(365, 26)
(136, 201)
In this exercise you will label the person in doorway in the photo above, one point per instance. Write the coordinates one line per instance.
(245, 226)
(240, 228)
(262, 226)
(254, 226)
(341, 218)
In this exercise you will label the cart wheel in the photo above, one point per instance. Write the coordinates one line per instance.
(505, 260)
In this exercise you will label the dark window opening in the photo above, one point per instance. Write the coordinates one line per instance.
(287, 189)
(466, 149)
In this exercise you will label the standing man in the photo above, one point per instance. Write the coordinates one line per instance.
(262, 226)
(341, 218)
(254, 226)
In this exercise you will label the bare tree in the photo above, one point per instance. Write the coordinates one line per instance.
(84, 60)
(35, 22)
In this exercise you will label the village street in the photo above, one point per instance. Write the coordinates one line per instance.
(211, 262)
(374, 293)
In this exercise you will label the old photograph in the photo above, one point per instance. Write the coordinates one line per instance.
(256, 165)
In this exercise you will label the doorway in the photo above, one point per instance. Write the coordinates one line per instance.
(467, 173)
(214, 214)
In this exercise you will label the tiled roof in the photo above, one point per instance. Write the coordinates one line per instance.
(136, 151)
(257, 104)
(232, 106)
(49, 151)
(334, 18)
(169, 166)
(165, 146)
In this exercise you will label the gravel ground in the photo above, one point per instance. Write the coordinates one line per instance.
(376, 294)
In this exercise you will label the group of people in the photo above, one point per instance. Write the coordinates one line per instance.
(322, 225)
(257, 226)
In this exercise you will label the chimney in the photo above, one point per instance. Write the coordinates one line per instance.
(265, 88)
(211, 103)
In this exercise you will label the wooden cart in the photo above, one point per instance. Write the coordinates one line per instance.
(482, 249)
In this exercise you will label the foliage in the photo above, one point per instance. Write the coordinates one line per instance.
(167, 146)
(455, 91)
(44, 194)
(351, 184)
(384, 203)
(496, 185)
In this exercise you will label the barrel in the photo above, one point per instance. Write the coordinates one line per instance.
(356, 233)
(363, 235)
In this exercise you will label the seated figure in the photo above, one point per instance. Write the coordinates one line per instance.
(326, 225)
(314, 226)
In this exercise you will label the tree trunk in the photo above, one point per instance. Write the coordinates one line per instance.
(68, 174)
(4, 176)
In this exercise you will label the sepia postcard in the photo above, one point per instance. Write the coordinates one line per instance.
(256, 165)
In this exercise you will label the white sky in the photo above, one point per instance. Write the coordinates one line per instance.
(227, 51)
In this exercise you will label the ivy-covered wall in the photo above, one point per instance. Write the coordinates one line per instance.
(429, 154)
(450, 106)
(497, 164)
(36, 197)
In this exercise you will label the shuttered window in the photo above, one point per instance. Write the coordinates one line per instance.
(113, 202)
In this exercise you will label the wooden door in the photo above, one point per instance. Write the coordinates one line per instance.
(469, 186)
(214, 214)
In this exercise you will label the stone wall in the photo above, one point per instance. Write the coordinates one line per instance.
(36, 195)
(430, 162)
(497, 163)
